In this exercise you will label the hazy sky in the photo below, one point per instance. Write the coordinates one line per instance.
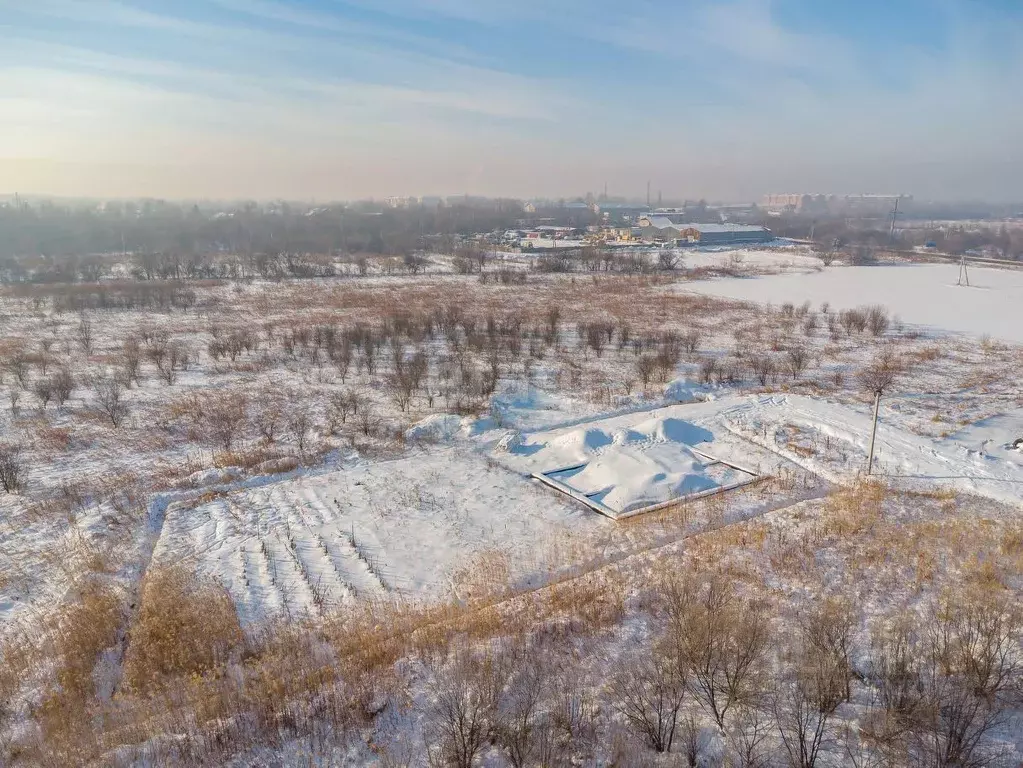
(333, 99)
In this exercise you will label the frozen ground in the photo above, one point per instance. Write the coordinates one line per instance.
(922, 294)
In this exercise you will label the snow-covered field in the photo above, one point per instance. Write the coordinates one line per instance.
(923, 295)
(406, 527)
(250, 464)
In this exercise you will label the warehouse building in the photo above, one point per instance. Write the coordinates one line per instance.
(663, 229)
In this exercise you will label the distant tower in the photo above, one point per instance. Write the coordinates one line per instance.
(660, 199)
(648, 194)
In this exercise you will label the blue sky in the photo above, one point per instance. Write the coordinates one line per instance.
(350, 98)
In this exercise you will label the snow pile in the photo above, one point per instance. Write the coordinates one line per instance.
(438, 428)
(685, 391)
(627, 462)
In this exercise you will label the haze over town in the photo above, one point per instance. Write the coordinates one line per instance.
(342, 100)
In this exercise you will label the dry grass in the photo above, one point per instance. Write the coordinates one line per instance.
(186, 626)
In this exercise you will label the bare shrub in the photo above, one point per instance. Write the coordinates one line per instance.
(877, 320)
(522, 725)
(300, 422)
(225, 416)
(828, 631)
(43, 390)
(109, 394)
(63, 385)
(268, 414)
(803, 709)
(16, 364)
(186, 626)
(12, 468)
(648, 693)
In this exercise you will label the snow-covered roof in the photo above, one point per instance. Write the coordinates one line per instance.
(663, 222)
(709, 228)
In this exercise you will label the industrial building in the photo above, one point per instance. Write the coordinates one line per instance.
(663, 228)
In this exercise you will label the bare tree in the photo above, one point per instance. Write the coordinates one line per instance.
(131, 359)
(797, 359)
(16, 364)
(341, 406)
(11, 468)
(645, 367)
(694, 744)
(464, 710)
(521, 726)
(667, 260)
(720, 639)
(747, 738)
(341, 357)
(763, 368)
(300, 422)
(877, 320)
(85, 334)
(649, 693)
(691, 341)
(803, 710)
(109, 399)
(828, 630)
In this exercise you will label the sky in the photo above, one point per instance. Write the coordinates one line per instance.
(345, 99)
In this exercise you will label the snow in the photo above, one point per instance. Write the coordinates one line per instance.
(924, 295)
(406, 527)
(832, 440)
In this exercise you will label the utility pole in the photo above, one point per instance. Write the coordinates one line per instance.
(895, 216)
(648, 194)
(964, 271)
(873, 432)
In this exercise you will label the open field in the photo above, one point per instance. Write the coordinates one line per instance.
(926, 296)
(285, 521)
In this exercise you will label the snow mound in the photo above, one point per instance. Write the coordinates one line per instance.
(672, 430)
(510, 442)
(685, 391)
(583, 440)
(438, 428)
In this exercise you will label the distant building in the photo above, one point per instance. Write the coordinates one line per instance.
(663, 228)
(851, 205)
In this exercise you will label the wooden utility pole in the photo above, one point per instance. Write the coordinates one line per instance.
(873, 432)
